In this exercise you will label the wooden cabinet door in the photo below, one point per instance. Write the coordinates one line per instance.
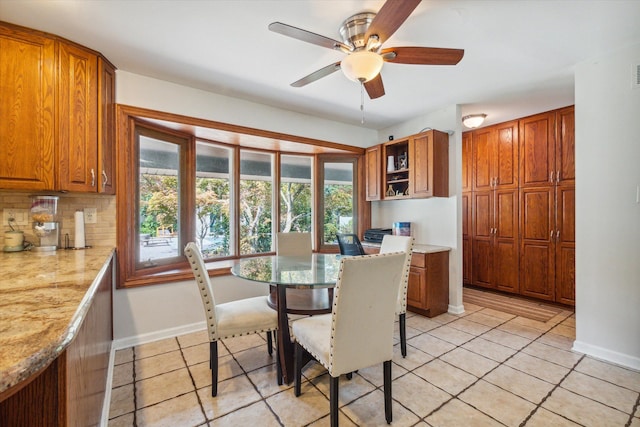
(421, 167)
(106, 127)
(77, 119)
(27, 110)
(482, 152)
(482, 226)
(467, 159)
(373, 157)
(537, 249)
(466, 238)
(537, 150)
(505, 241)
(417, 288)
(565, 245)
(565, 147)
(504, 164)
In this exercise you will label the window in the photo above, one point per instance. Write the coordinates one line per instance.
(213, 200)
(256, 202)
(229, 196)
(160, 204)
(338, 202)
(296, 199)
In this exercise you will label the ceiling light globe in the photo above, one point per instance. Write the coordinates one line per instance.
(473, 120)
(362, 66)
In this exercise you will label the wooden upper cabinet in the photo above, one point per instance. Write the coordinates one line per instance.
(373, 157)
(77, 119)
(27, 110)
(467, 158)
(495, 156)
(413, 167)
(106, 127)
(429, 170)
(57, 104)
(565, 146)
(537, 150)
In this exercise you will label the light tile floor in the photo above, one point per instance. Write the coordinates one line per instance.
(482, 368)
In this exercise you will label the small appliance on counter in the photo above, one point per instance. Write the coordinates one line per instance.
(46, 223)
(13, 241)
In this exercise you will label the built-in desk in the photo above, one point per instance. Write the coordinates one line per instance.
(428, 290)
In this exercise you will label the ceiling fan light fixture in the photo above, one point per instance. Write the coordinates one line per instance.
(362, 66)
(473, 120)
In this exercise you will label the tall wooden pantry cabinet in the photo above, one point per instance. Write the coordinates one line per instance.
(522, 210)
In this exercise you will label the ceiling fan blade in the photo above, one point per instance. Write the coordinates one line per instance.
(374, 87)
(308, 36)
(316, 75)
(392, 14)
(422, 55)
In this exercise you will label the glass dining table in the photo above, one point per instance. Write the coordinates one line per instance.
(307, 274)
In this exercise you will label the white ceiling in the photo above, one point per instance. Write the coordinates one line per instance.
(519, 55)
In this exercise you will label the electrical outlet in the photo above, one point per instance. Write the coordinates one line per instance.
(90, 215)
(19, 216)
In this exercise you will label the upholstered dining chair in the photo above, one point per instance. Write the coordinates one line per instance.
(350, 244)
(231, 319)
(301, 301)
(293, 244)
(358, 333)
(393, 243)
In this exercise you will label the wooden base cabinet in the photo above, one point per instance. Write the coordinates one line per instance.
(70, 391)
(428, 290)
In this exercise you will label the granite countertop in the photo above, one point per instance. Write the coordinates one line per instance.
(423, 249)
(44, 297)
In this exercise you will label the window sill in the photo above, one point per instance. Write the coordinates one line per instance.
(182, 273)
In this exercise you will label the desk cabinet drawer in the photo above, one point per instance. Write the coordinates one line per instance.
(428, 290)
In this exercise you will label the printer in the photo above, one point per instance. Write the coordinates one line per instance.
(375, 235)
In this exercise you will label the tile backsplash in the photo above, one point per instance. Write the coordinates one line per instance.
(102, 233)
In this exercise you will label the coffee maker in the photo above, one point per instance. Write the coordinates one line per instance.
(46, 223)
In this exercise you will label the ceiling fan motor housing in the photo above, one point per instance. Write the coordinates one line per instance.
(354, 28)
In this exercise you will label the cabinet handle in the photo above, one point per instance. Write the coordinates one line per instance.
(558, 177)
(551, 177)
(93, 178)
(551, 235)
(557, 235)
(497, 181)
(105, 179)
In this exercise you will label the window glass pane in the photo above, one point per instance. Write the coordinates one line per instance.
(158, 200)
(213, 190)
(256, 202)
(338, 200)
(295, 194)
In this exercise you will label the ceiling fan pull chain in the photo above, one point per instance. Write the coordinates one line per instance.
(362, 100)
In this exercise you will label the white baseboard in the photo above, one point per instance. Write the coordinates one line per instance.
(158, 335)
(607, 355)
(455, 309)
(104, 420)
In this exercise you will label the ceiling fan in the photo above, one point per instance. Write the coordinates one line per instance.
(363, 35)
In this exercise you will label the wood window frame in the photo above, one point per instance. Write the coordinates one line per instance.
(239, 137)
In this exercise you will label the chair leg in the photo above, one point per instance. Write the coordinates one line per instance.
(297, 369)
(387, 391)
(213, 364)
(269, 343)
(403, 334)
(333, 400)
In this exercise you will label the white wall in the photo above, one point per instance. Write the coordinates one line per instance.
(153, 312)
(607, 212)
(435, 221)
